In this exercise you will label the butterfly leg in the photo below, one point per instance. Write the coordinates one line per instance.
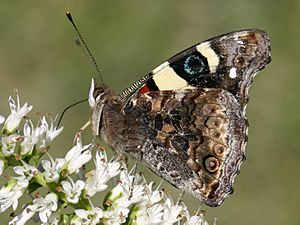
(135, 166)
(180, 197)
(84, 126)
(119, 157)
(133, 172)
(78, 133)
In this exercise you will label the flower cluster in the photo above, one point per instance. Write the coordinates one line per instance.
(131, 200)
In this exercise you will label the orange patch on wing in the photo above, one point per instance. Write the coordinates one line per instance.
(144, 89)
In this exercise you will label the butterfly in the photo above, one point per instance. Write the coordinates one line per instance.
(185, 120)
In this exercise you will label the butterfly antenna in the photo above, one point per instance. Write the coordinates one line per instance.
(69, 16)
(67, 108)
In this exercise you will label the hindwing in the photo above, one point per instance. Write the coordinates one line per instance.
(197, 139)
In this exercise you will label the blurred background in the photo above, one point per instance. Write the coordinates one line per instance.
(39, 57)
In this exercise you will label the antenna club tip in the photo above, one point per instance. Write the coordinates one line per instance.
(69, 16)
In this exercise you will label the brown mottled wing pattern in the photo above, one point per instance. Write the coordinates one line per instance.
(197, 139)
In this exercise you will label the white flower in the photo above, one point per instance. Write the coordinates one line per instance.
(31, 138)
(102, 173)
(128, 191)
(116, 216)
(150, 208)
(195, 220)
(9, 144)
(113, 169)
(46, 134)
(2, 119)
(172, 213)
(16, 186)
(125, 194)
(26, 172)
(72, 190)
(45, 206)
(152, 197)
(78, 156)
(52, 169)
(132, 191)
(151, 215)
(53, 219)
(10, 194)
(89, 217)
(1, 166)
(26, 215)
(17, 113)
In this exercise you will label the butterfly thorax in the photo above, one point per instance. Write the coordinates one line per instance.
(111, 125)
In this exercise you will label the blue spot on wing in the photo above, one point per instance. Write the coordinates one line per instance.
(194, 65)
(190, 66)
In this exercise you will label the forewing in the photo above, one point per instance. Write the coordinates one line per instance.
(229, 62)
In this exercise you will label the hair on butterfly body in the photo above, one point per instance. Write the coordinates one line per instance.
(185, 120)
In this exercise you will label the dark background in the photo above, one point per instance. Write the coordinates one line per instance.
(129, 38)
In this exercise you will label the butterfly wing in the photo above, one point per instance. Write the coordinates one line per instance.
(186, 119)
(193, 138)
(228, 62)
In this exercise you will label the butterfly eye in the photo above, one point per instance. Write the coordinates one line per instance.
(97, 92)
